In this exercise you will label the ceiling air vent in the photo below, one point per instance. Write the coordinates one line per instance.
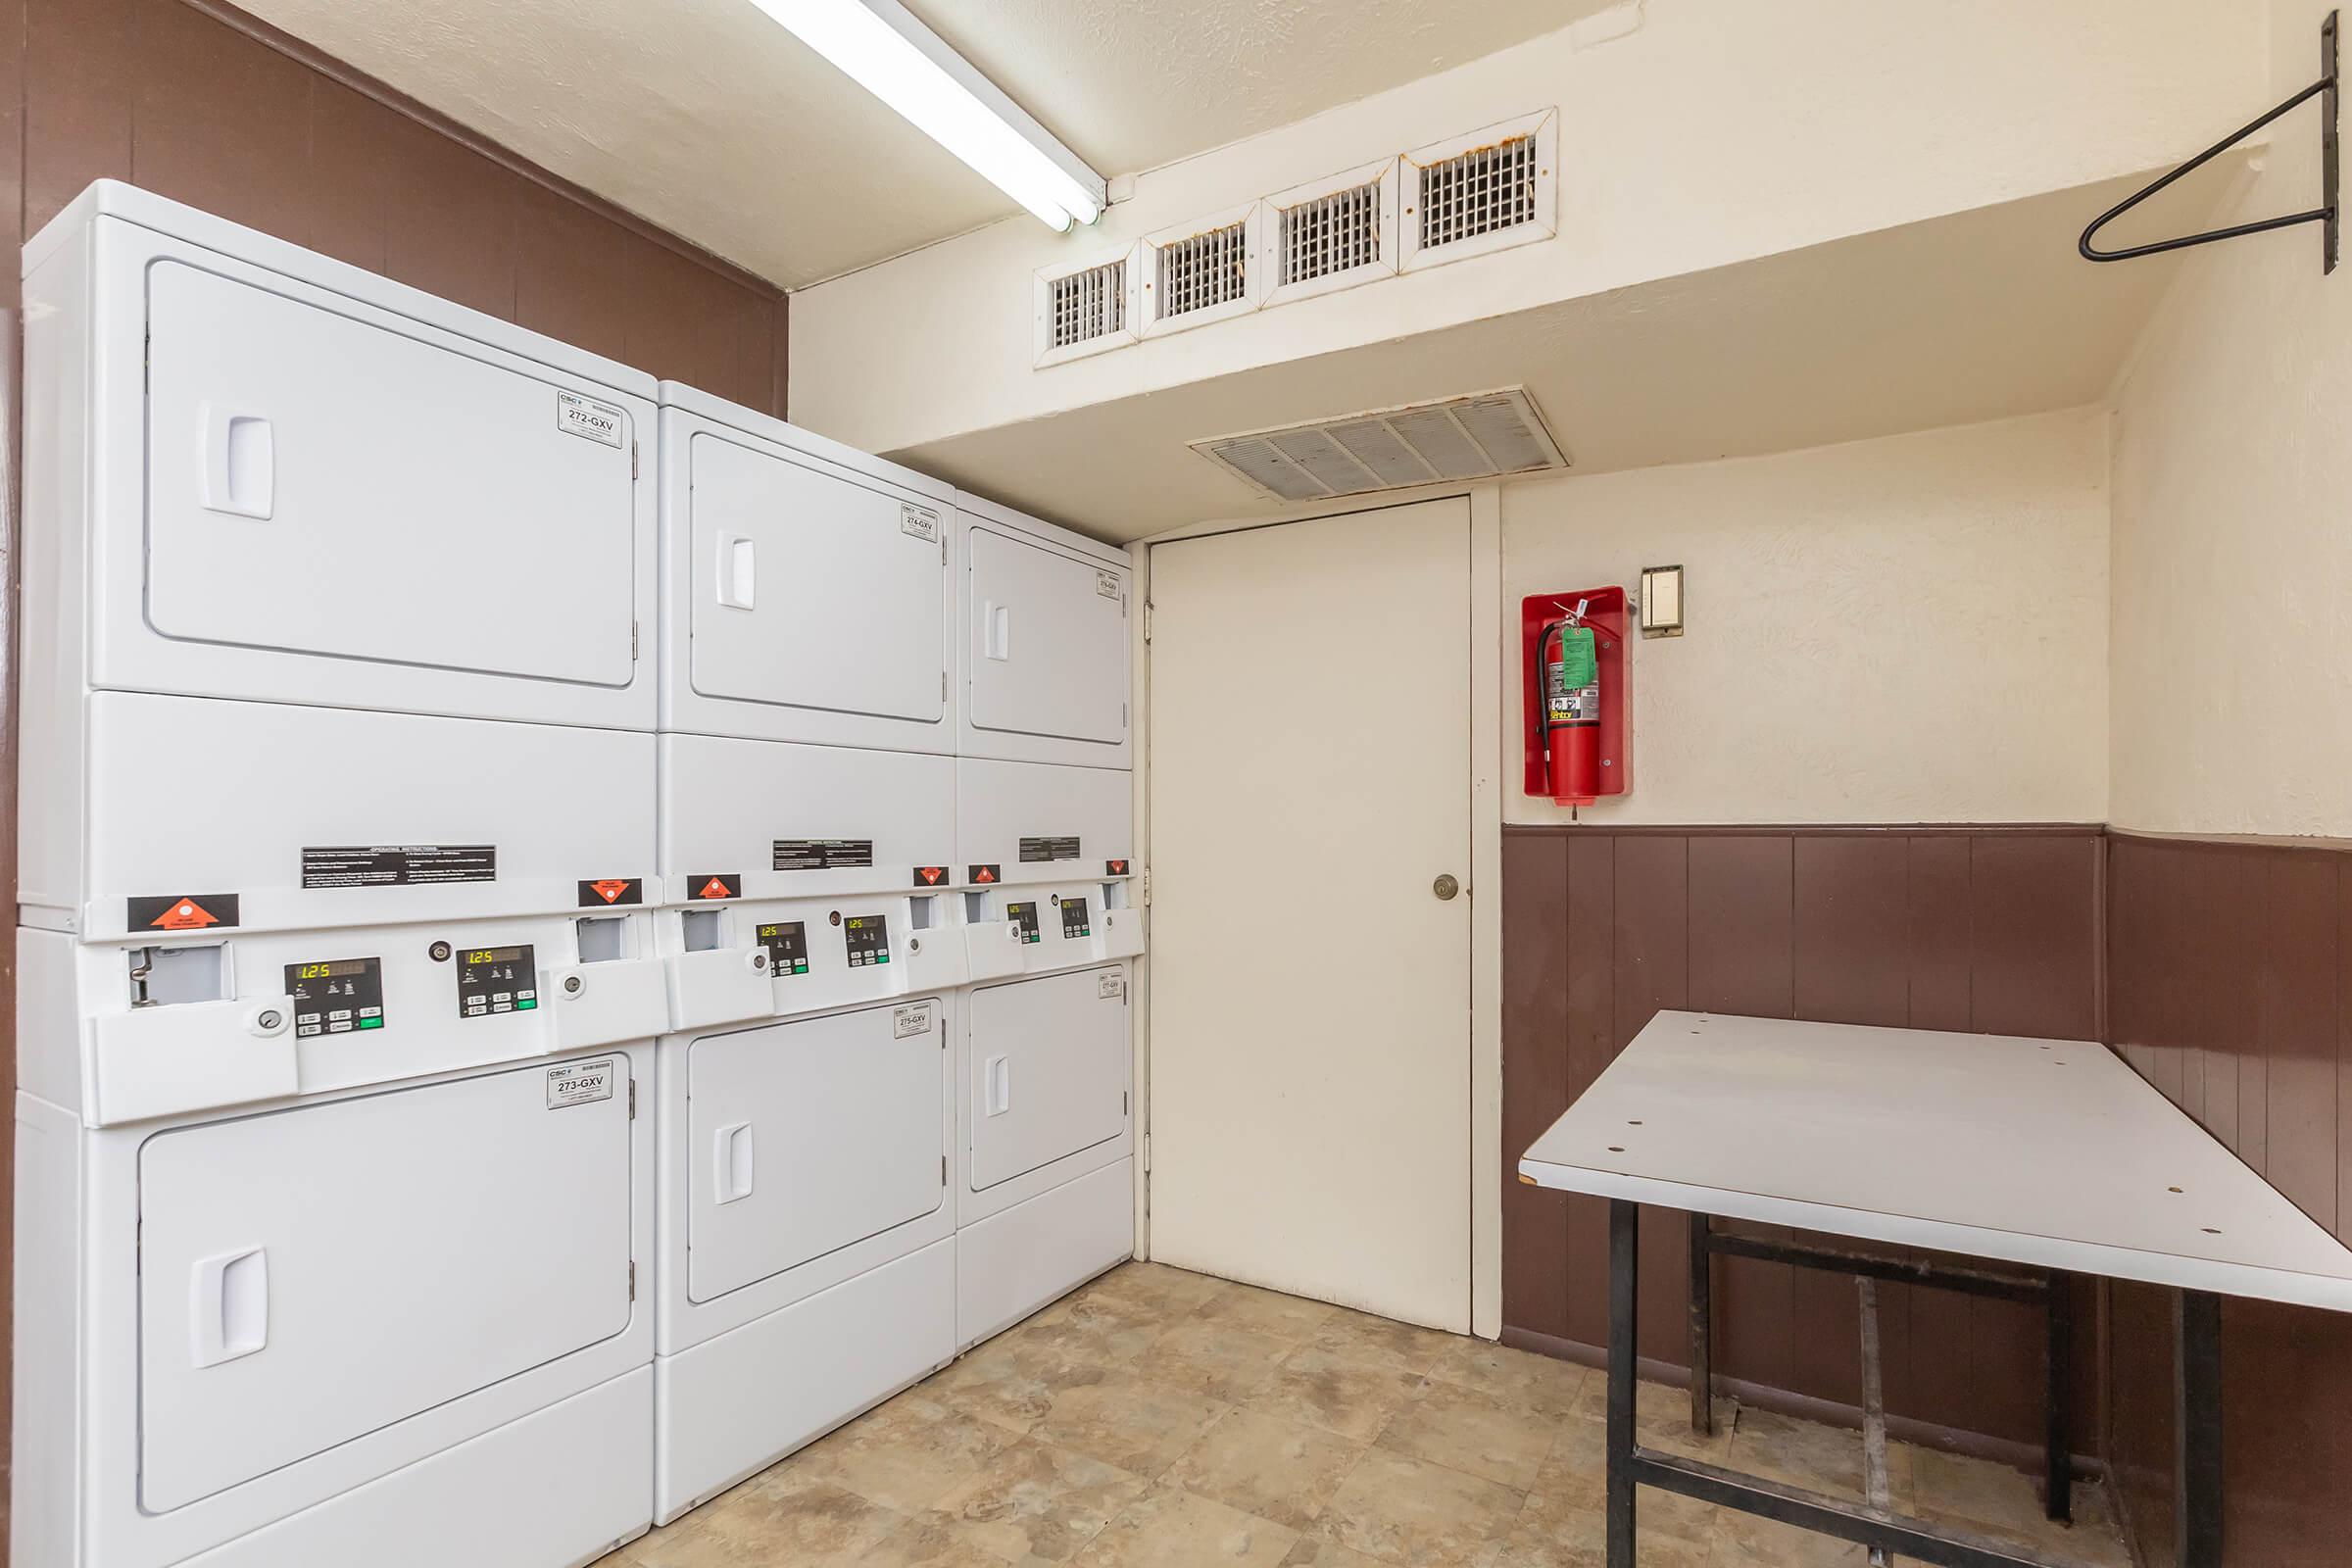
(1480, 193)
(1332, 234)
(1201, 272)
(1486, 436)
(1085, 309)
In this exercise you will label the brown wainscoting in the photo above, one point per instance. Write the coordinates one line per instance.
(2230, 970)
(1985, 929)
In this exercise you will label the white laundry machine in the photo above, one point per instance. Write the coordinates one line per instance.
(809, 927)
(1043, 652)
(1046, 1199)
(337, 974)
(807, 1097)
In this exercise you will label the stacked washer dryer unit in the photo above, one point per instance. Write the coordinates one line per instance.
(331, 1202)
(806, 833)
(1044, 833)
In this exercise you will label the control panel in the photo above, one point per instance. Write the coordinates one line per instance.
(1024, 920)
(868, 938)
(786, 945)
(1074, 917)
(336, 996)
(493, 980)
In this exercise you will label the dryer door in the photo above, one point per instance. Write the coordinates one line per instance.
(1048, 1071)
(1049, 642)
(308, 1276)
(319, 483)
(813, 593)
(807, 1137)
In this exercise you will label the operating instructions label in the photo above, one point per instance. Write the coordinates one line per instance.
(822, 855)
(1055, 848)
(385, 865)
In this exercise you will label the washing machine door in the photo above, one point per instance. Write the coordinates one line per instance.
(321, 483)
(1048, 1071)
(812, 1135)
(308, 1276)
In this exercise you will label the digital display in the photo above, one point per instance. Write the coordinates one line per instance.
(786, 945)
(493, 980)
(336, 996)
(868, 938)
(1024, 921)
(1073, 918)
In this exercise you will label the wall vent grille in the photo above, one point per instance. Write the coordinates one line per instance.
(1089, 304)
(1479, 192)
(1202, 272)
(1334, 233)
(1484, 436)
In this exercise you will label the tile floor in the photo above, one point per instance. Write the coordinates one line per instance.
(1161, 1420)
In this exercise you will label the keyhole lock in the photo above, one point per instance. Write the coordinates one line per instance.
(1445, 887)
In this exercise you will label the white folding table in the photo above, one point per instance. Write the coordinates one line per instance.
(2047, 1153)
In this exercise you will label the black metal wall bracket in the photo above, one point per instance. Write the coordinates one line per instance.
(2322, 89)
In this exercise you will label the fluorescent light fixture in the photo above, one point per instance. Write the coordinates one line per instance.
(882, 47)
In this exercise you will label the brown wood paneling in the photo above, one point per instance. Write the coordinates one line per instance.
(2298, 1028)
(2231, 975)
(2034, 920)
(1592, 1044)
(1851, 908)
(1535, 1078)
(1863, 926)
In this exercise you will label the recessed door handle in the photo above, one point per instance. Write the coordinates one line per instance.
(1445, 887)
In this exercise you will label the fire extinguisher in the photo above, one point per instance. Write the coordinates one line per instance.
(1571, 696)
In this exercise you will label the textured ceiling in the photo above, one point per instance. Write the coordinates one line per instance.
(712, 120)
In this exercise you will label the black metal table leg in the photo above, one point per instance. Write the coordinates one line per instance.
(2198, 1428)
(1624, 1290)
(1702, 1329)
(2058, 1494)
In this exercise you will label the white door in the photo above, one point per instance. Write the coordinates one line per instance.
(1049, 630)
(308, 1276)
(814, 592)
(1049, 1064)
(1311, 993)
(803, 1138)
(322, 485)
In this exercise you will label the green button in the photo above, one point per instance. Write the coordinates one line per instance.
(525, 1007)
(885, 958)
(371, 1024)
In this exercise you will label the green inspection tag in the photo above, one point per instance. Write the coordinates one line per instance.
(1580, 666)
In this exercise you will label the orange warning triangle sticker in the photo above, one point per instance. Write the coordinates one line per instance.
(713, 889)
(185, 915)
(611, 888)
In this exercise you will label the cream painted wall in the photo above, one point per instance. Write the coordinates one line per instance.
(1711, 133)
(1911, 629)
(2232, 660)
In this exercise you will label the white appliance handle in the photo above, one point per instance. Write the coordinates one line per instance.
(995, 623)
(735, 1161)
(738, 573)
(229, 1300)
(997, 1072)
(240, 462)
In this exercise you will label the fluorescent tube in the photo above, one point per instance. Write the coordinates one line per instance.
(883, 48)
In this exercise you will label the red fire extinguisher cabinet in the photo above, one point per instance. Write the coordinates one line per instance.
(1604, 612)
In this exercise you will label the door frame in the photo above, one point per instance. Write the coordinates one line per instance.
(1489, 683)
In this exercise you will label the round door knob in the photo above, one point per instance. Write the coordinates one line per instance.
(1445, 887)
